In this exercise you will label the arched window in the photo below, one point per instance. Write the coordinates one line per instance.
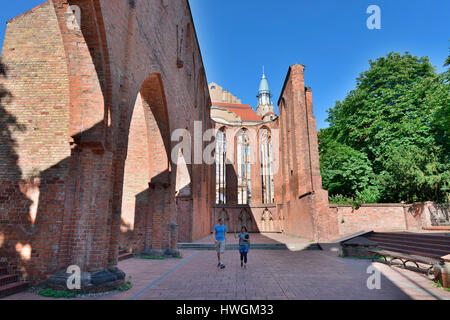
(221, 156)
(244, 168)
(265, 146)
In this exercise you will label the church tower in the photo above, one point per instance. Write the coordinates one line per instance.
(265, 104)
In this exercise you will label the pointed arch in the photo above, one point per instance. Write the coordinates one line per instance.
(245, 219)
(147, 148)
(243, 161)
(221, 174)
(267, 168)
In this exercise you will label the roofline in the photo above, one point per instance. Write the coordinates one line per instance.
(198, 43)
(286, 80)
(27, 12)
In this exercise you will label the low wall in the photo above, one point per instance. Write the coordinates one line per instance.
(389, 217)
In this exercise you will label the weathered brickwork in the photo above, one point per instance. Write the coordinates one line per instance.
(300, 205)
(97, 87)
(303, 204)
(384, 217)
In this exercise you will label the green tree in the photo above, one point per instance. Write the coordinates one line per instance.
(398, 118)
(346, 172)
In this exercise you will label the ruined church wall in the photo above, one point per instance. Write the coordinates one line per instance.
(34, 141)
(304, 202)
(390, 217)
(76, 86)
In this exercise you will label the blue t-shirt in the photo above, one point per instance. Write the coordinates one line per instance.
(220, 232)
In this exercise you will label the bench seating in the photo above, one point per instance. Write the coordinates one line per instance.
(405, 258)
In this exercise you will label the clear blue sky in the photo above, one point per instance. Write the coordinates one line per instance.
(238, 37)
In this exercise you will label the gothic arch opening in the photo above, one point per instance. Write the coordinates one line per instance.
(267, 170)
(146, 197)
(221, 174)
(245, 219)
(243, 160)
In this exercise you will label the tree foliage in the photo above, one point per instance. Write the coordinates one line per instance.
(388, 140)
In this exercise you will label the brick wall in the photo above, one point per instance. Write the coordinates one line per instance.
(34, 141)
(71, 150)
(377, 217)
(304, 204)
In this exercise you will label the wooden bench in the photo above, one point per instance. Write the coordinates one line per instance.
(405, 258)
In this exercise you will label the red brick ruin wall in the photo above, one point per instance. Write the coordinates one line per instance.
(304, 204)
(85, 142)
(382, 217)
(79, 175)
(34, 144)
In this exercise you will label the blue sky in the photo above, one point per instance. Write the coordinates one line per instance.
(238, 37)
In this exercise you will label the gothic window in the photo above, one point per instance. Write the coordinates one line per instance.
(244, 168)
(266, 166)
(221, 155)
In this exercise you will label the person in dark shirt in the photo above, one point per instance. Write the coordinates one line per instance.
(244, 245)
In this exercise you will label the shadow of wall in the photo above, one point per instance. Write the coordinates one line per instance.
(68, 211)
(15, 221)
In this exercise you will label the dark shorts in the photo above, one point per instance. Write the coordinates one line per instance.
(243, 248)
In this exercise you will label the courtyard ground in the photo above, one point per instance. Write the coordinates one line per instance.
(271, 274)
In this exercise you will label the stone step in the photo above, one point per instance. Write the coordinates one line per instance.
(12, 288)
(417, 236)
(412, 242)
(8, 278)
(435, 254)
(3, 271)
(275, 246)
(430, 239)
(125, 256)
(427, 243)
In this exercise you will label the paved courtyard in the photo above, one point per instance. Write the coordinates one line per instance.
(271, 274)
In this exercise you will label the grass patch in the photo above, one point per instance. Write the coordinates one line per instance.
(361, 258)
(50, 293)
(143, 256)
(438, 284)
(152, 258)
(126, 286)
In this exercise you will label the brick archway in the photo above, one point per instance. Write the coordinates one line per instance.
(68, 197)
(147, 196)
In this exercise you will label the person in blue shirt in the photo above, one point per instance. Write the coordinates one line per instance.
(220, 231)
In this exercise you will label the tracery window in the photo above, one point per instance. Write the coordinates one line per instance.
(268, 195)
(244, 168)
(221, 155)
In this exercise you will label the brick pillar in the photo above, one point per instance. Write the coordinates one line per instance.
(173, 250)
(86, 225)
(157, 230)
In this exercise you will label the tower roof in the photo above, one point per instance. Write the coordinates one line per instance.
(264, 85)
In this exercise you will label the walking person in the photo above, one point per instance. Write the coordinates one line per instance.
(244, 245)
(220, 231)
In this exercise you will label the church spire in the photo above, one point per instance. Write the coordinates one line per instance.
(265, 105)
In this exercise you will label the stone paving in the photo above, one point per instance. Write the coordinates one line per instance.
(280, 275)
